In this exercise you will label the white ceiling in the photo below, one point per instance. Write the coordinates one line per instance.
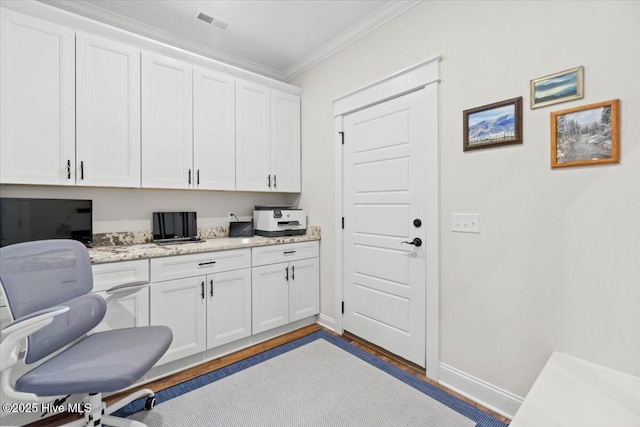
(279, 39)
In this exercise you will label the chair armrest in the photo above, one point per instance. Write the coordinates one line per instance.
(34, 318)
(121, 291)
(127, 287)
(21, 328)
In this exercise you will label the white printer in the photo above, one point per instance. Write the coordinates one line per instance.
(276, 221)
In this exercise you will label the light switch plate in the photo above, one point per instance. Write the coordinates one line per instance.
(465, 222)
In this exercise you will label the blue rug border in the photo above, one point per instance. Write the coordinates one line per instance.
(481, 418)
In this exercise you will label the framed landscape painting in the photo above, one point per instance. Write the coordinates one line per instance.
(493, 125)
(586, 135)
(558, 87)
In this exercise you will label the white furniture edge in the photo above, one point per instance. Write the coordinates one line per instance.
(94, 27)
(575, 392)
(486, 394)
(397, 84)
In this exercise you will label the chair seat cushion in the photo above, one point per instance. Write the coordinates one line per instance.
(103, 362)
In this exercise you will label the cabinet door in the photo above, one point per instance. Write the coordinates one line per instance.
(108, 116)
(180, 305)
(37, 73)
(304, 289)
(127, 312)
(214, 131)
(167, 155)
(253, 136)
(131, 311)
(270, 297)
(228, 307)
(285, 141)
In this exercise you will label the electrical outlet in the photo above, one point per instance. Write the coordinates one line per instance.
(465, 223)
(231, 217)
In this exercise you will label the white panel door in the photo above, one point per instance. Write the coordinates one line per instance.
(214, 131)
(304, 289)
(181, 305)
(253, 137)
(167, 143)
(228, 306)
(37, 64)
(108, 117)
(270, 296)
(285, 141)
(384, 192)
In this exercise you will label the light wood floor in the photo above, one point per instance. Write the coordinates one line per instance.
(207, 367)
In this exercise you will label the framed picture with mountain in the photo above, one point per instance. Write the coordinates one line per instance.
(586, 135)
(493, 125)
(558, 87)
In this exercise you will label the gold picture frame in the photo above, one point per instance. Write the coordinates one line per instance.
(557, 87)
(586, 135)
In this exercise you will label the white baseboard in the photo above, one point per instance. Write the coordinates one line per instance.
(327, 322)
(488, 395)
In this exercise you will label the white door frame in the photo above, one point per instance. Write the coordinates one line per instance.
(408, 80)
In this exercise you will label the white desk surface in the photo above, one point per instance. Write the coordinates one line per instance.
(574, 392)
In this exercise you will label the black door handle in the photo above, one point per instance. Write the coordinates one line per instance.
(202, 284)
(416, 242)
(211, 291)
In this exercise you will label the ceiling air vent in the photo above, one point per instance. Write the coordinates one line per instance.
(211, 19)
(204, 17)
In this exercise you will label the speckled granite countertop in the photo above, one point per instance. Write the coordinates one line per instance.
(103, 254)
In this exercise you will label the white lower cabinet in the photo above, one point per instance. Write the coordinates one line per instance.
(287, 291)
(270, 297)
(180, 305)
(228, 307)
(304, 289)
(205, 299)
(131, 310)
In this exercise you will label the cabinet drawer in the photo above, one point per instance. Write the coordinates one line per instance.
(264, 255)
(176, 267)
(106, 276)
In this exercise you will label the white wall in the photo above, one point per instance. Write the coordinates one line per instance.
(117, 209)
(557, 263)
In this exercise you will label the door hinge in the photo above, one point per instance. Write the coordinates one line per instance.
(342, 136)
(342, 307)
(342, 222)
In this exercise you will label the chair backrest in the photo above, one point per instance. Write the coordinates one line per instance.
(48, 273)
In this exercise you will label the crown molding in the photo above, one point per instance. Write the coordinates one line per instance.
(359, 30)
(96, 13)
(387, 12)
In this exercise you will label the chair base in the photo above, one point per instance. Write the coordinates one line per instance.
(99, 414)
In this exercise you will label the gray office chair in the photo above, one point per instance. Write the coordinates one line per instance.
(48, 286)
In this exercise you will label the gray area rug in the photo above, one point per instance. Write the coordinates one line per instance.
(317, 384)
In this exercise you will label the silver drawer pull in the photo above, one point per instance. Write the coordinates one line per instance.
(207, 263)
(289, 252)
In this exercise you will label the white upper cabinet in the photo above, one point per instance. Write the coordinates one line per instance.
(285, 141)
(167, 155)
(37, 142)
(253, 137)
(268, 139)
(108, 113)
(214, 132)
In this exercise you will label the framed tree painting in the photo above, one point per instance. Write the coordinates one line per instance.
(586, 135)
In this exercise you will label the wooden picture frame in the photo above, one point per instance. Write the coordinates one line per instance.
(493, 125)
(586, 135)
(557, 87)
